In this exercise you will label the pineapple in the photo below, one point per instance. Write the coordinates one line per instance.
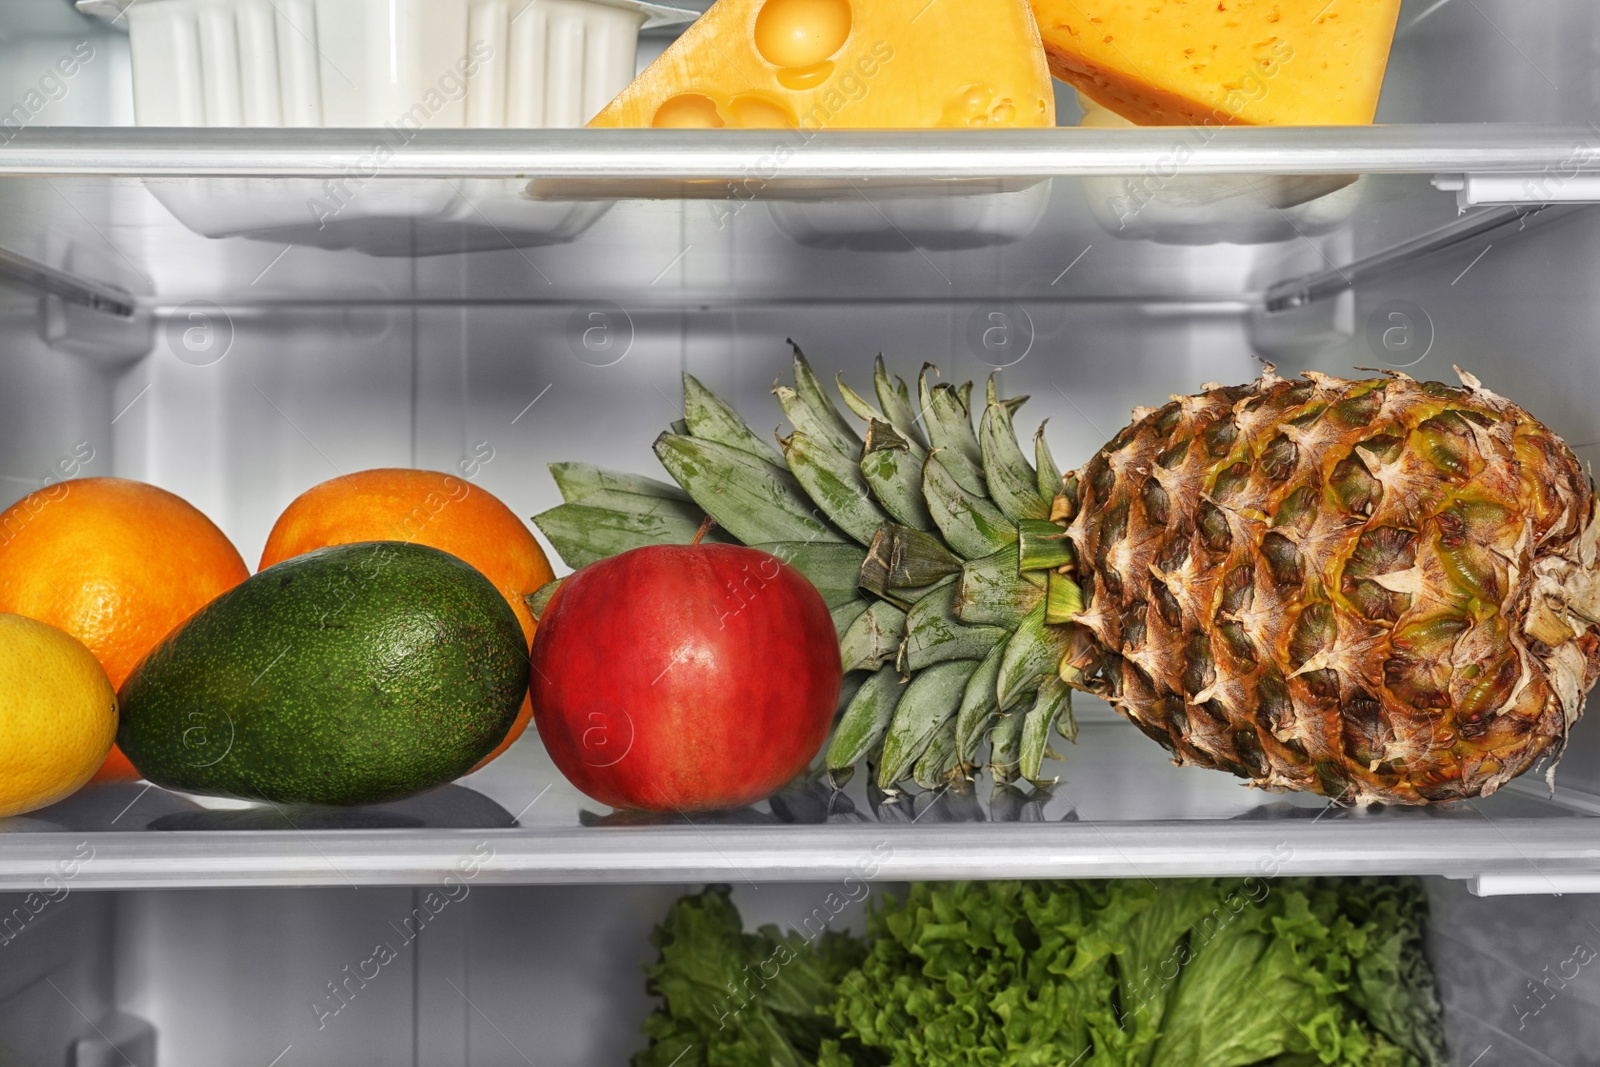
(1380, 591)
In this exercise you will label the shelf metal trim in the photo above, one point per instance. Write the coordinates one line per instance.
(773, 159)
(1298, 292)
(1523, 851)
(23, 270)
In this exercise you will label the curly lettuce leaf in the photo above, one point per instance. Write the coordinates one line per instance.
(1393, 982)
(732, 999)
(994, 974)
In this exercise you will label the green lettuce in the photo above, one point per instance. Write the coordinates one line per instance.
(1194, 973)
(1188, 973)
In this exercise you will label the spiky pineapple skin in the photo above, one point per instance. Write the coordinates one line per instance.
(1335, 586)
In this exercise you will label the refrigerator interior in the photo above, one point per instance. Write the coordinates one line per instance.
(458, 325)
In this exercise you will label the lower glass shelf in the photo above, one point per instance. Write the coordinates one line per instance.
(1119, 809)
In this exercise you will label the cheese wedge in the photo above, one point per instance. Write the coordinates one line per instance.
(1223, 62)
(812, 65)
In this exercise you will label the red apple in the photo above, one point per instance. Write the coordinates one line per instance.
(685, 677)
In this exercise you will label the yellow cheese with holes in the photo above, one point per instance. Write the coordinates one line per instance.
(1223, 62)
(813, 65)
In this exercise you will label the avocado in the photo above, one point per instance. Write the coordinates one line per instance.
(354, 674)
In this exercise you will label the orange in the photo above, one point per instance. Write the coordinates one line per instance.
(58, 714)
(441, 511)
(117, 564)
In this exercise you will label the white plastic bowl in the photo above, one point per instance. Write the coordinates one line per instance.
(435, 63)
(396, 65)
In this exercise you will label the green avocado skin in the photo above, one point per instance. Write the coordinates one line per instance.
(354, 674)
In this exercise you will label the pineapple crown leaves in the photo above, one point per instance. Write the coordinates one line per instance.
(936, 543)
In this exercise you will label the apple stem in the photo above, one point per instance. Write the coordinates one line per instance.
(705, 528)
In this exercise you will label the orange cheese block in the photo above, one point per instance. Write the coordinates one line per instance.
(813, 65)
(1223, 62)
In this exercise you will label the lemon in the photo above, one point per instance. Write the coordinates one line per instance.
(58, 714)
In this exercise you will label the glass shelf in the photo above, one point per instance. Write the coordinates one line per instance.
(1120, 809)
(624, 158)
(153, 218)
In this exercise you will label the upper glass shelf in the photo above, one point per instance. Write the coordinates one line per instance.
(149, 220)
(627, 162)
